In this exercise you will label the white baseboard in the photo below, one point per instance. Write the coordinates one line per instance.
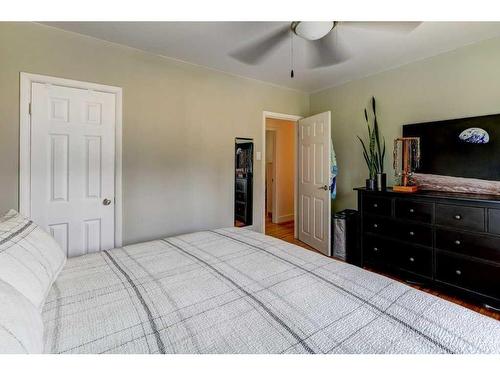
(285, 218)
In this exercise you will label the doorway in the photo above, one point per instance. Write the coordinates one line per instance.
(280, 171)
(311, 183)
(268, 170)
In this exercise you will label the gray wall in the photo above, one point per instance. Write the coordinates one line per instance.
(179, 125)
(460, 83)
(180, 120)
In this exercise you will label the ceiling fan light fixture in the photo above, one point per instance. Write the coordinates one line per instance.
(312, 30)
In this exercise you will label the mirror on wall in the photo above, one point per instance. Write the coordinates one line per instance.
(243, 182)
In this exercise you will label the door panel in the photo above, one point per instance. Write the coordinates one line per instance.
(306, 161)
(59, 163)
(92, 164)
(72, 166)
(318, 219)
(305, 215)
(314, 172)
(60, 234)
(319, 152)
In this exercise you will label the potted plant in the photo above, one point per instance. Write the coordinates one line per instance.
(374, 153)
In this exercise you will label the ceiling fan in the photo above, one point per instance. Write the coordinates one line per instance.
(324, 47)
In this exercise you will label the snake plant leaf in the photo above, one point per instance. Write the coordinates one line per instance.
(375, 148)
(365, 154)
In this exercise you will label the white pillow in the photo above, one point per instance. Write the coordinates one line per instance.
(21, 326)
(30, 259)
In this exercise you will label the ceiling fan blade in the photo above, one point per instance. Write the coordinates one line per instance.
(393, 27)
(256, 51)
(327, 51)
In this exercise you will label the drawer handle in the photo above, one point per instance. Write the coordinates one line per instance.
(457, 242)
(375, 205)
(412, 233)
(375, 225)
(458, 217)
(375, 249)
(412, 259)
(458, 272)
(412, 210)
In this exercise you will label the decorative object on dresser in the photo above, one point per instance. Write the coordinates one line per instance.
(374, 152)
(406, 161)
(447, 240)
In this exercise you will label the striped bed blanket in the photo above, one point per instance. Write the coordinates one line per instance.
(237, 291)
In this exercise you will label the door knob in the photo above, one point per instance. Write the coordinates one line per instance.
(106, 202)
(324, 187)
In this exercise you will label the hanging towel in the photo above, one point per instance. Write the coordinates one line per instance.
(333, 172)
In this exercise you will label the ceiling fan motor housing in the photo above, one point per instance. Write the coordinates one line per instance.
(312, 30)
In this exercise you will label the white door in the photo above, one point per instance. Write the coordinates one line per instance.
(72, 166)
(314, 175)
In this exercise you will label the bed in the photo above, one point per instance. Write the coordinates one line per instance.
(237, 291)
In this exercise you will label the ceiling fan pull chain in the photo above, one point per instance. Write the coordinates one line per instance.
(291, 55)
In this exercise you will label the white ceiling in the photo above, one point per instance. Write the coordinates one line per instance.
(209, 44)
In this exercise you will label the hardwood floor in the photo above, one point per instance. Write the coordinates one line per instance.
(284, 232)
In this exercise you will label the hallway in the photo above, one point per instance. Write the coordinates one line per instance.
(284, 232)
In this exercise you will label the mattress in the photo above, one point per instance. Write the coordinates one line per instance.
(237, 291)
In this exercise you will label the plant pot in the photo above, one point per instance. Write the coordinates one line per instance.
(371, 184)
(381, 181)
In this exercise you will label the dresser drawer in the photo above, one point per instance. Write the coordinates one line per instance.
(377, 251)
(456, 270)
(414, 259)
(412, 210)
(494, 221)
(479, 246)
(412, 233)
(464, 217)
(377, 205)
(378, 225)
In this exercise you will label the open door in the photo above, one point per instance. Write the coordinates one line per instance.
(314, 208)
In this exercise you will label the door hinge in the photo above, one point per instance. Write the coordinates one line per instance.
(29, 109)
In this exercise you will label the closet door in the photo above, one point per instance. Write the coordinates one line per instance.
(72, 166)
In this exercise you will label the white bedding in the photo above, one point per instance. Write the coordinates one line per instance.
(237, 291)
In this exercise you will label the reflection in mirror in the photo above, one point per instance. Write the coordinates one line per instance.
(243, 182)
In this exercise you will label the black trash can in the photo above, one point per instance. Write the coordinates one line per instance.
(345, 241)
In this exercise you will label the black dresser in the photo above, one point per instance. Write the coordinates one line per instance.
(447, 240)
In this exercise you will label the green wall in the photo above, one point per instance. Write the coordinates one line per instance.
(461, 83)
(180, 120)
(179, 125)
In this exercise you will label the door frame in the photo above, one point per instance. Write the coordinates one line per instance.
(274, 208)
(286, 117)
(26, 81)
